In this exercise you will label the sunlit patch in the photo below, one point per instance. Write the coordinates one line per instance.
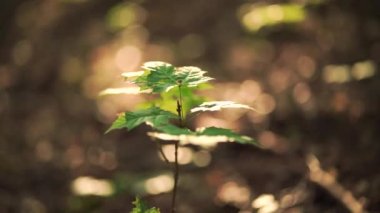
(265, 103)
(268, 139)
(86, 185)
(204, 141)
(111, 105)
(265, 203)
(232, 192)
(202, 158)
(209, 120)
(241, 60)
(301, 93)
(103, 72)
(306, 66)
(287, 201)
(128, 58)
(275, 12)
(125, 90)
(362, 70)
(336, 73)
(328, 181)
(150, 64)
(279, 79)
(159, 52)
(254, 17)
(185, 154)
(159, 184)
(249, 91)
(226, 91)
(257, 118)
(128, 75)
(218, 105)
(124, 15)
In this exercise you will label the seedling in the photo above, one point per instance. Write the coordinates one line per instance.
(176, 87)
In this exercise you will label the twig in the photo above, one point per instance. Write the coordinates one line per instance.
(176, 167)
(159, 147)
(329, 182)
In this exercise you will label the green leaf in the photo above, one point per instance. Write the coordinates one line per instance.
(173, 130)
(127, 75)
(206, 137)
(159, 77)
(140, 207)
(119, 123)
(153, 116)
(168, 100)
(218, 105)
(191, 76)
(123, 90)
(231, 136)
(162, 77)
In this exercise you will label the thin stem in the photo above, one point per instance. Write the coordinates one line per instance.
(180, 106)
(176, 174)
(176, 167)
(159, 147)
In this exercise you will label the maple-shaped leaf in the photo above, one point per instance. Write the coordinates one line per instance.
(173, 130)
(218, 105)
(205, 137)
(119, 123)
(191, 76)
(123, 90)
(162, 77)
(158, 76)
(153, 116)
(128, 75)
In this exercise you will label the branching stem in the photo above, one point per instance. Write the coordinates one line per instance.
(159, 147)
(176, 167)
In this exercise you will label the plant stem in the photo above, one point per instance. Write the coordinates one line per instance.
(176, 174)
(159, 147)
(176, 167)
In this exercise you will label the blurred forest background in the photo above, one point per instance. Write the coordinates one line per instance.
(311, 67)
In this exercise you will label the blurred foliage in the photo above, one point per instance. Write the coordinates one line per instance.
(256, 17)
(311, 67)
(140, 207)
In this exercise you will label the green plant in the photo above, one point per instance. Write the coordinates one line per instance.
(176, 87)
(140, 207)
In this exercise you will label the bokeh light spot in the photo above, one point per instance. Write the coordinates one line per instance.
(232, 192)
(265, 104)
(159, 184)
(306, 66)
(128, 58)
(265, 203)
(185, 154)
(86, 185)
(336, 73)
(202, 158)
(301, 93)
(362, 70)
